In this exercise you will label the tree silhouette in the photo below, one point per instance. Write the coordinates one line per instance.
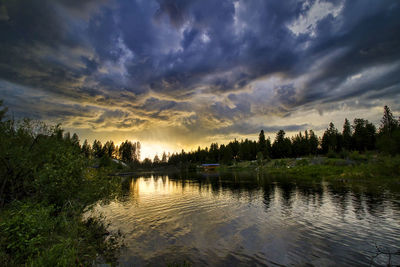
(330, 139)
(388, 123)
(86, 149)
(364, 135)
(282, 145)
(3, 111)
(346, 135)
(262, 144)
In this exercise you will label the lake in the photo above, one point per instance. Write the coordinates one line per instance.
(248, 219)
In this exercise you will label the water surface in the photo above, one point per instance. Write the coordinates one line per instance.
(247, 219)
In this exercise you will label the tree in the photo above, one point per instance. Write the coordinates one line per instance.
(213, 152)
(75, 141)
(282, 146)
(313, 143)
(388, 123)
(156, 159)
(364, 135)
(388, 140)
(147, 163)
(330, 139)
(127, 152)
(86, 150)
(347, 135)
(97, 149)
(3, 111)
(269, 148)
(262, 144)
(109, 149)
(227, 154)
(164, 158)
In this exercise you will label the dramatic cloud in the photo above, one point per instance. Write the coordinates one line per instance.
(184, 72)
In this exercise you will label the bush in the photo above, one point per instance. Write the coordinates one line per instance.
(46, 186)
(24, 230)
(356, 156)
(302, 162)
(344, 154)
(31, 234)
(331, 154)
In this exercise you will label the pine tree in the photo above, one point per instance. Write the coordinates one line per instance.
(86, 150)
(347, 138)
(364, 135)
(330, 139)
(97, 149)
(164, 158)
(156, 159)
(262, 144)
(75, 140)
(388, 123)
(3, 111)
(313, 143)
(109, 149)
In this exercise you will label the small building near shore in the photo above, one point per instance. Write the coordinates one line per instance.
(210, 166)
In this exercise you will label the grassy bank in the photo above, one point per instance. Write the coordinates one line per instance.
(356, 166)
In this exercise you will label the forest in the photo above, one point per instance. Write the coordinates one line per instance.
(361, 136)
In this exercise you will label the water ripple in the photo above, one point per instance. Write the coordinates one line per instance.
(253, 222)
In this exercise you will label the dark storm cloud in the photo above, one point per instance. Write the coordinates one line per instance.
(169, 58)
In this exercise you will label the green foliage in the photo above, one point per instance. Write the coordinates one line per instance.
(347, 135)
(331, 140)
(344, 154)
(31, 234)
(35, 161)
(129, 152)
(97, 148)
(302, 162)
(282, 146)
(364, 135)
(262, 145)
(45, 185)
(24, 228)
(388, 123)
(331, 154)
(374, 169)
(389, 143)
(356, 156)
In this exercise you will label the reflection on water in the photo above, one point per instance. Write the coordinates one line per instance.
(247, 219)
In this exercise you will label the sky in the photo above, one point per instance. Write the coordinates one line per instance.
(178, 74)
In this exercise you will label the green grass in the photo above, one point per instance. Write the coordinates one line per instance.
(365, 166)
(379, 167)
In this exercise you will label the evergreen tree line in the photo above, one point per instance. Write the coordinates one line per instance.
(127, 151)
(361, 136)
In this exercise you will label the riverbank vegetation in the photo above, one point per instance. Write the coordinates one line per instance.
(46, 185)
(359, 140)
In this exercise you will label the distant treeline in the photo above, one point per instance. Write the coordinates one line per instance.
(361, 136)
